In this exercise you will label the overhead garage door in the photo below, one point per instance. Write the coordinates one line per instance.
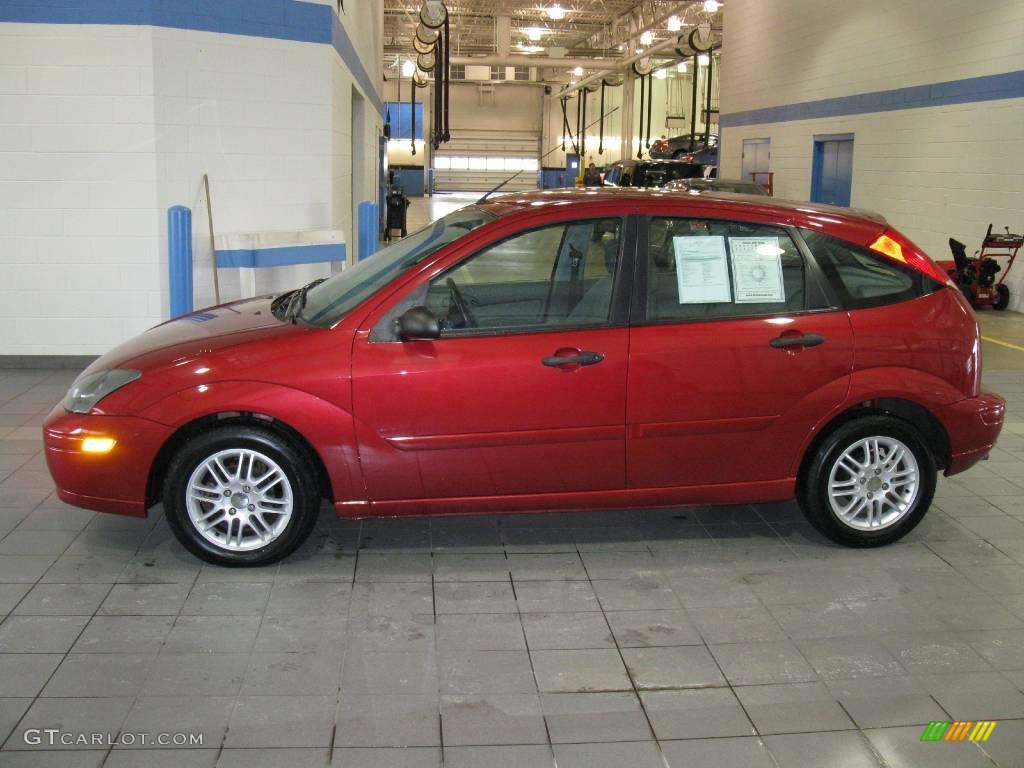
(480, 160)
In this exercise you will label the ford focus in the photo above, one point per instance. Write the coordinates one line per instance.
(558, 350)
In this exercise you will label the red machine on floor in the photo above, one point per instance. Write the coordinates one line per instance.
(976, 276)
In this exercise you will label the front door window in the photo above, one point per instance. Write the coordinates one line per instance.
(559, 276)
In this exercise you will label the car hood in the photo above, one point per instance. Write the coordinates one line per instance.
(205, 331)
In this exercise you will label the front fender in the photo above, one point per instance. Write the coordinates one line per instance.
(329, 429)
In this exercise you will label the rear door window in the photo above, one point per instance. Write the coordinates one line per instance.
(700, 269)
(862, 278)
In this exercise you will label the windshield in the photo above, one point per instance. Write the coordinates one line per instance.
(332, 299)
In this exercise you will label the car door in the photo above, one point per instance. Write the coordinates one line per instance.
(524, 391)
(735, 354)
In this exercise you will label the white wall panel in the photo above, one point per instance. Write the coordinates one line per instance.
(934, 172)
(103, 127)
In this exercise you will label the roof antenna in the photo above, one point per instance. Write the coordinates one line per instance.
(483, 199)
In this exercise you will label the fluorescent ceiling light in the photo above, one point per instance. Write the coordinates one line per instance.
(578, 71)
(674, 24)
(556, 12)
(534, 33)
(408, 68)
(712, 6)
(647, 38)
(531, 48)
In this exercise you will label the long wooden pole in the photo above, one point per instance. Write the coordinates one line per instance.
(213, 247)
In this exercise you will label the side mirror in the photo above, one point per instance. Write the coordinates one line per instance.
(416, 324)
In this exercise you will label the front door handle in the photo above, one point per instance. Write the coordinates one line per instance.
(581, 358)
(803, 340)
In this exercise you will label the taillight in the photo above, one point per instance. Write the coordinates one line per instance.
(688, 158)
(896, 247)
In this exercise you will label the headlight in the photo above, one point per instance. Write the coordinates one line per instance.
(93, 387)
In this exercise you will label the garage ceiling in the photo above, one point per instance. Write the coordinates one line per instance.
(590, 28)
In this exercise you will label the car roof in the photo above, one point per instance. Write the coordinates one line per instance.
(731, 203)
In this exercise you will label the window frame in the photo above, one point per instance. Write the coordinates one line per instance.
(818, 298)
(618, 315)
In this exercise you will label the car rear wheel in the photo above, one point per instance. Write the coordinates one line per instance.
(241, 496)
(869, 482)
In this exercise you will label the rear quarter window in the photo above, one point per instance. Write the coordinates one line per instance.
(862, 278)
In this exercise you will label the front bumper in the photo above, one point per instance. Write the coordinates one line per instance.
(973, 425)
(106, 482)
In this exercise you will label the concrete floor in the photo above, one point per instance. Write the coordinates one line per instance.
(699, 637)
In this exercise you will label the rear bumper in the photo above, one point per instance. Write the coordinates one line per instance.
(973, 425)
(106, 482)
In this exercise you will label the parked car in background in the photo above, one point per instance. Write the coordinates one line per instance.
(551, 350)
(650, 173)
(718, 185)
(678, 147)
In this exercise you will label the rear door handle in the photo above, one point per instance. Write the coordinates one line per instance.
(583, 358)
(804, 340)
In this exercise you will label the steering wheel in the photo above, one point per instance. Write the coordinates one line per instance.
(460, 303)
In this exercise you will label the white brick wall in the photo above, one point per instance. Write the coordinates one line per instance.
(102, 128)
(936, 172)
(78, 188)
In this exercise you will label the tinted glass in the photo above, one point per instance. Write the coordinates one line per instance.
(862, 278)
(700, 269)
(557, 276)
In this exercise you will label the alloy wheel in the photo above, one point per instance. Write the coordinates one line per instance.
(874, 483)
(239, 499)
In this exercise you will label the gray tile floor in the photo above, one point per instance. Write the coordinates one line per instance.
(724, 637)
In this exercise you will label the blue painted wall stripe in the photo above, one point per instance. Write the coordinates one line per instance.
(1008, 85)
(274, 19)
(283, 256)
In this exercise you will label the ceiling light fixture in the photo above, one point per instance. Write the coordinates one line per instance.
(578, 71)
(712, 6)
(408, 68)
(556, 12)
(681, 67)
(661, 74)
(531, 48)
(674, 24)
(703, 59)
(534, 33)
(647, 38)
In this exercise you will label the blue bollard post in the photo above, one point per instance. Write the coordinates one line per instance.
(179, 259)
(368, 234)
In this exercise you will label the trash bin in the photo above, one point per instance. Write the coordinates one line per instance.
(397, 204)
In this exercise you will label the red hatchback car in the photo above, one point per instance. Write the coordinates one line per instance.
(575, 349)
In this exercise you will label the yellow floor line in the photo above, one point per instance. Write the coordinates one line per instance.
(1003, 343)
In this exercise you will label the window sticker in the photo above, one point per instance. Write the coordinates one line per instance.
(757, 270)
(702, 271)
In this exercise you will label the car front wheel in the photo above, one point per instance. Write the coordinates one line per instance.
(240, 496)
(869, 482)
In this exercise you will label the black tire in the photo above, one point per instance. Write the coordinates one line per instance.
(294, 462)
(1003, 300)
(812, 493)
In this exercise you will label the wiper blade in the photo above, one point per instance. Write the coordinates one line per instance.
(298, 300)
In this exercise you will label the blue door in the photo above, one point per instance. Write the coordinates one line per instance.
(832, 173)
